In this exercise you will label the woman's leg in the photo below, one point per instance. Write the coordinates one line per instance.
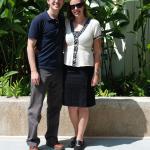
(83, 120)
(74, 117)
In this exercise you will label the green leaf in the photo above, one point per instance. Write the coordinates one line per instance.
(97, 11)
(2, 2)
(138, 23)
(17, 21)
(16, 28)
(119, 16)
(146, 2)
(132, 0)
(146, 7)
(108, 2)
(117, 34)
(3, 32)
(10, 73)
(148, 46)
(124, 23)
(11, 2)
(5, 13)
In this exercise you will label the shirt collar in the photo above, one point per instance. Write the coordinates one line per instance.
(49, 18)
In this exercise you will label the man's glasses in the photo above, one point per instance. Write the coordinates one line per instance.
(79, 5)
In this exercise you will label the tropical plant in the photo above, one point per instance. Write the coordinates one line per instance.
(141, 24)
(148, 46)
(5, 82)
(16, 88)
(105, 93)
(19, 88)
(15, 17)
(112, 17)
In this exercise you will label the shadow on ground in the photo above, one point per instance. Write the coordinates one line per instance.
(111, 117)
(89, 142)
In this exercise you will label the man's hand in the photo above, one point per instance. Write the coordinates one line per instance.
(35, 78)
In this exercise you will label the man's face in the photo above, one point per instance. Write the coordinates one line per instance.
(55, 4)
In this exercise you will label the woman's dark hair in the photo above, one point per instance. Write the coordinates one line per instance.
(70, 16)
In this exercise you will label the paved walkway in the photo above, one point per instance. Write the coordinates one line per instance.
(18, 143)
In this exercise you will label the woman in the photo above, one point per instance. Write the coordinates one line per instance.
(82, 67)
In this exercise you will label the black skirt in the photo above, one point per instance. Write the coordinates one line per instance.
(77, 86)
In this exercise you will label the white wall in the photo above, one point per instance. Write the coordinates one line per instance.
(129, 61)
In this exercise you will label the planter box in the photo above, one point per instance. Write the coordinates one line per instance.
(113, 117)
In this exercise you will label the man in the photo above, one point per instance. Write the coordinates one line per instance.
(44, 48)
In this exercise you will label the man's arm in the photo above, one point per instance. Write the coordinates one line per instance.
(35, 78)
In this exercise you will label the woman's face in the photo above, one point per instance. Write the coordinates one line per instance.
(77, 7)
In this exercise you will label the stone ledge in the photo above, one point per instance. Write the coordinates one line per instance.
(112, 117)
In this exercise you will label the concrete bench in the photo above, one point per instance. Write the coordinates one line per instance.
(111, 117)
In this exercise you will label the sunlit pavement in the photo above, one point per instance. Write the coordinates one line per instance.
(19, 143)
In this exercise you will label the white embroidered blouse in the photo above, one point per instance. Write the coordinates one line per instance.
(78, 51)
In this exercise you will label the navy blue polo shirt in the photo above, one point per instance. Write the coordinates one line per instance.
(49, 34)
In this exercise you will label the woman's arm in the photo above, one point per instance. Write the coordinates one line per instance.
(97, 62)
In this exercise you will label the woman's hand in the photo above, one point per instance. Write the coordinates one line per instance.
(95, 79)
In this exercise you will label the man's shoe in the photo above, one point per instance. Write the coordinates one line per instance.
(59, 146)
(33, 148)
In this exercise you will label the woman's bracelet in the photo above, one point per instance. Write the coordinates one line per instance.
(97, 73)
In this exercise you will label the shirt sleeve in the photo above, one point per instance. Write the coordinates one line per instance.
(97, 30)
(34, 29)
